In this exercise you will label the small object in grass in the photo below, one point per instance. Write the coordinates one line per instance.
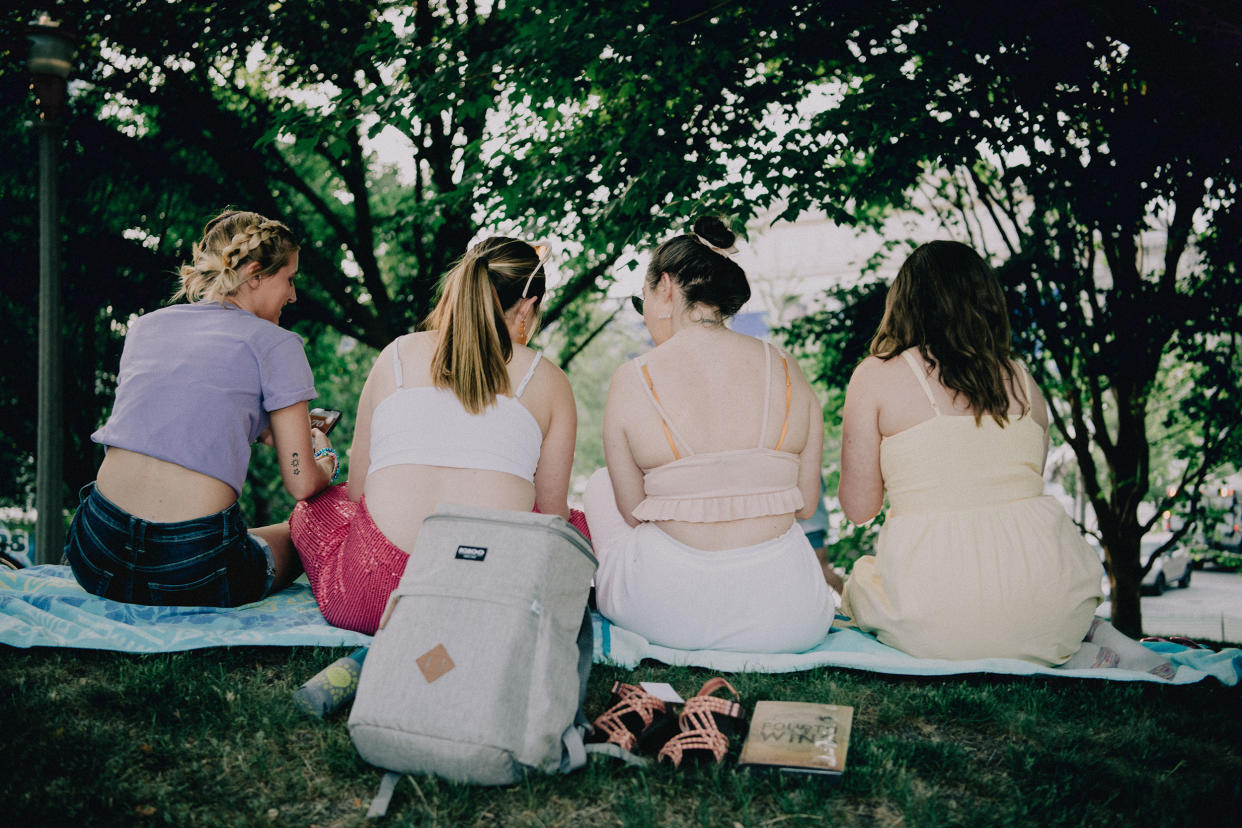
(332, 686)
(798, 737)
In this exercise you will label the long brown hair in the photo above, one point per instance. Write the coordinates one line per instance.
(473, 352)
(947, 302)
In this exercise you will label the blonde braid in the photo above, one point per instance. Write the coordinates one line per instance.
(229, 241)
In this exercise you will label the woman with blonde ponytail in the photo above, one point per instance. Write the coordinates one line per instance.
(462, 412)
(199, 382)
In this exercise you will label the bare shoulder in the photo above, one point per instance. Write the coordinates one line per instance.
(547, 371)
(872, 371)
(623, 379)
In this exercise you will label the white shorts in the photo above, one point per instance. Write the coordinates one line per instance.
(766, 598)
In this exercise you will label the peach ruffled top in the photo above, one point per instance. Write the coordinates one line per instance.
(717, 486)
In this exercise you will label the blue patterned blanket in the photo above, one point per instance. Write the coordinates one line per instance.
(43, 606)
(860, 651)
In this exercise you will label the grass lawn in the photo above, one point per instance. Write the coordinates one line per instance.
(211, 737)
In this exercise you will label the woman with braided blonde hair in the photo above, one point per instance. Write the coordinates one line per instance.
(199, 382)
(461, 413)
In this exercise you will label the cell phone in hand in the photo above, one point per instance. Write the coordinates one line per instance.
(324, 418)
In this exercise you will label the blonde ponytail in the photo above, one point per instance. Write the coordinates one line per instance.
(473, 352)
(472, 355)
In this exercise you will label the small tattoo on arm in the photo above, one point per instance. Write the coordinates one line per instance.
(295, 463)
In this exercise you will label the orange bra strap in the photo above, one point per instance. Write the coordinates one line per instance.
(788, 396)
(667, 434)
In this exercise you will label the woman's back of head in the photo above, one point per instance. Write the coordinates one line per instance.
(231, 240)
(474, 346)
(699, 266)
(947, 302)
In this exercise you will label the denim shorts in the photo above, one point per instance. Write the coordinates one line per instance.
(206, 562)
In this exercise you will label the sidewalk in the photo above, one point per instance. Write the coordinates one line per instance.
(1209, 609)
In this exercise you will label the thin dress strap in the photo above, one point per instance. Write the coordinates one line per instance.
(396, 361)
(669, 431)
(921, 375)
(767, 384)
(788, 397)
(530, 372)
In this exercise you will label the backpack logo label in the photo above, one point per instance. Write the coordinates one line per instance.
(434, 663)
(471, 553)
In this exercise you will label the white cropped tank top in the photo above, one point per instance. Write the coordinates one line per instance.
(428, 426)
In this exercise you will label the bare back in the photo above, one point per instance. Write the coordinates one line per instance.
(711, 384)
(400, 497)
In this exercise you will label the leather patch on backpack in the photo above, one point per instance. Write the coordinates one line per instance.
(434, 663)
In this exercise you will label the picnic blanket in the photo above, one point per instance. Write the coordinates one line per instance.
(43, 606)
(859, 651)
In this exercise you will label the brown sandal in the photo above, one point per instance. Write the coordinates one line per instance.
(706, 723)
(632, 714)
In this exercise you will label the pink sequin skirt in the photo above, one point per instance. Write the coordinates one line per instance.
(351, 564)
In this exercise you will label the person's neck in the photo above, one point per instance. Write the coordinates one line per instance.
(697, 319)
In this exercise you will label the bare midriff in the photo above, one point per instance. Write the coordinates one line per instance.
(728, 534)
(160, 491)
(400, 497)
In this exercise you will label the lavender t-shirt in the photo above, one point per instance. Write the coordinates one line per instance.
(196, 384)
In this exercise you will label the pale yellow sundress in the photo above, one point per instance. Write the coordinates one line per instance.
(973, 561)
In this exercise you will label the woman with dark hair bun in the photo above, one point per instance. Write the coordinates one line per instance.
(713, 442)
(973, 561)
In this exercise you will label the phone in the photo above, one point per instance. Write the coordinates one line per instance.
(324, 418)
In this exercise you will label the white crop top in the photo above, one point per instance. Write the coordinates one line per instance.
(428, 426)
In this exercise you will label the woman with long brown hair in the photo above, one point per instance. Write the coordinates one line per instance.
(973, 560)
(463, 413)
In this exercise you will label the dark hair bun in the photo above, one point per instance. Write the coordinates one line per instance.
(715, 231)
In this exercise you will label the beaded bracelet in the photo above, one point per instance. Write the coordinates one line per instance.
(336, 461)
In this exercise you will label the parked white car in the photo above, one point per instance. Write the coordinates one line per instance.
(1171, 568)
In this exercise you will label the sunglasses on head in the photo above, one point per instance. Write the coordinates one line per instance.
(542, 249)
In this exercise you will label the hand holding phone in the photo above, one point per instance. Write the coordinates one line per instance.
(324, 419)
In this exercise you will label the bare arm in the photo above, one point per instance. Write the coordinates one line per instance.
(625, 473)
(360, 449)
(1039, 412)
(811, 460)
(861, 491)
(292, 435)
(556, 454)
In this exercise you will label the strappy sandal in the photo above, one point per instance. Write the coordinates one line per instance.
(706, 724)
(634, 721)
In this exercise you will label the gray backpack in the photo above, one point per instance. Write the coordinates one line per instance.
(478, 670)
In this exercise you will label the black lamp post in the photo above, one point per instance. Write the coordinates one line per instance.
(51, 59)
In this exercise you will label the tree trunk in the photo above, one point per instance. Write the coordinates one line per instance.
(1125, 577)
